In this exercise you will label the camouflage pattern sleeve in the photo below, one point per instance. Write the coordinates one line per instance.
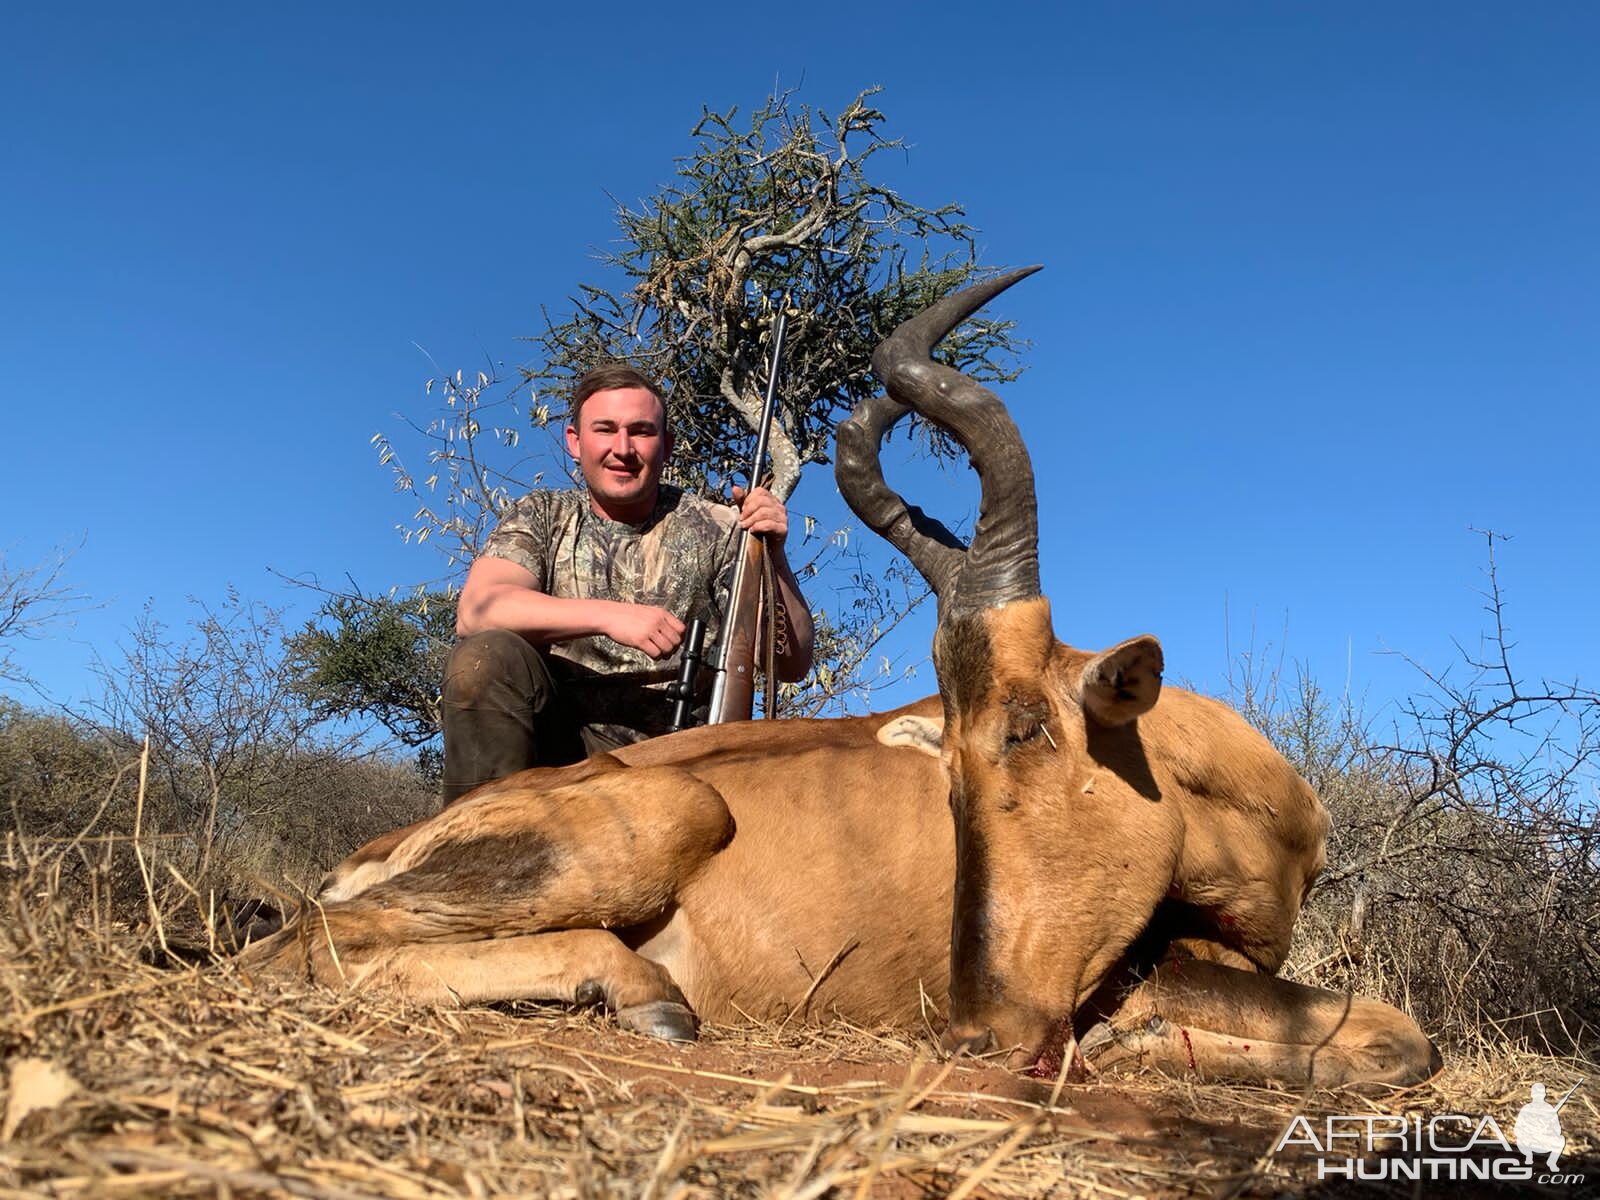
(681, 559)
(727, 557)
(525, 536)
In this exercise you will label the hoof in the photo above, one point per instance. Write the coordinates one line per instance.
(589, 994)
(1436, 1066)
(1100, 1034)
(664, 1019)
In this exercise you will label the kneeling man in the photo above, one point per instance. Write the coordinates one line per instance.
(570, 622)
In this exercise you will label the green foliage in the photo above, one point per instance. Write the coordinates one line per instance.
(379, 658)
(781, 207)
(55, 770)
(778, 208)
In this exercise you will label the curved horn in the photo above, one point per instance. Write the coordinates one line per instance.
(1002, 563)
(934, 551)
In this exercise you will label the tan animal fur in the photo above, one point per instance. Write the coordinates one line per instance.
(634, 887)
(1055, 851)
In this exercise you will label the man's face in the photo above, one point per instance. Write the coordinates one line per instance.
(621, 443)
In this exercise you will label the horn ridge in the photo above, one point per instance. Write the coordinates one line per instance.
(934, 551)
(1002, 563)
(921, 333)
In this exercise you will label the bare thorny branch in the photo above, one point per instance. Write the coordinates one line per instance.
(1461, 731)
(1468, 841)
(33, 599)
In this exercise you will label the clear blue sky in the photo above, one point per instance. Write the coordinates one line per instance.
(1321, 287)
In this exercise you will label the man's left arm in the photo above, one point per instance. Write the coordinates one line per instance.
(762, 512)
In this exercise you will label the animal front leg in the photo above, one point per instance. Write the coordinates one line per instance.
(1217, 1021)
(578, 966)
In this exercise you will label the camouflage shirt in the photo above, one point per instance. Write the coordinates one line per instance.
(681, 559)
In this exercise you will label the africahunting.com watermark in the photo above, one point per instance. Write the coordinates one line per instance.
(1445, 1146)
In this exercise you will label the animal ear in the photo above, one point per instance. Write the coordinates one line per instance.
(1124, 682)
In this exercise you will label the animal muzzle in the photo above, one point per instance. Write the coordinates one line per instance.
(969, 1039)
(1015, 1041)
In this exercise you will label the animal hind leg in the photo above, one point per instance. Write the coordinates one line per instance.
(1192, 1016)
(367, 863)
(608, 852)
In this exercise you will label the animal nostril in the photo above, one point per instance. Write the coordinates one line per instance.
(969, 1039)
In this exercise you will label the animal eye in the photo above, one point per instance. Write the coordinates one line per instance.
(1017, 735)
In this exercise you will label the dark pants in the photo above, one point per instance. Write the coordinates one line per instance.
(502, 713)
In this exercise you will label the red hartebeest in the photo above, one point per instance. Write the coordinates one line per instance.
(1121, 875)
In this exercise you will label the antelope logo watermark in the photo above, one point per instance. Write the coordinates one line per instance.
(1442, 1147)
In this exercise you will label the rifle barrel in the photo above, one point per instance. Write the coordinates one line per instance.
(724, 688)
(764, 431)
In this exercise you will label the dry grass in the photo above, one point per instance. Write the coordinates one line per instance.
(194, 1082)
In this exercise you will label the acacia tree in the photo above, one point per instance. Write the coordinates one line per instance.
(377, 657)
(779, 208)
(782, 210)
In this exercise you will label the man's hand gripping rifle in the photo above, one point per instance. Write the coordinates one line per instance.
(733, 688)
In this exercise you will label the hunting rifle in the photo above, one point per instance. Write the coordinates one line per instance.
(733, 690)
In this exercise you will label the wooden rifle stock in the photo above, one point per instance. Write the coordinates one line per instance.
(733, 696)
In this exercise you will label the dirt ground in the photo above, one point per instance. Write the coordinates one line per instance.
(119, 1078)
(126, 1080)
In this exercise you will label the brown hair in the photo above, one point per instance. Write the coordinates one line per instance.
(609, 377)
